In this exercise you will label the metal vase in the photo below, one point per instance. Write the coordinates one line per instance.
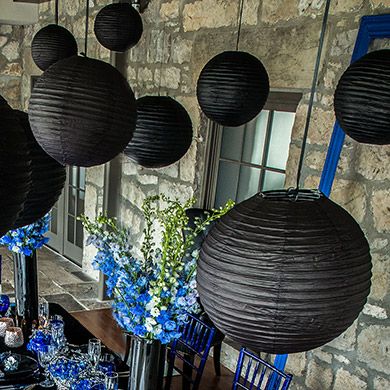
(26, 289)
(146, 362)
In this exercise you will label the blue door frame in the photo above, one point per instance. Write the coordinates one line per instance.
(371, 27)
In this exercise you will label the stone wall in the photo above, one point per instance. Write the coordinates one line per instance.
(180, 36)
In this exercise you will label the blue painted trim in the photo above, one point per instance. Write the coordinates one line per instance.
(371, 27)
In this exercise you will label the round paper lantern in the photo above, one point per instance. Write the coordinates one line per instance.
(362, 99)
(82, 111)
(15, 170)
(51, 44)
(48, 179)
(163, 132)
(118, 26)
(233, 88)
(282, 274)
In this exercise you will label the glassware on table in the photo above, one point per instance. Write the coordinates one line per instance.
(94, 352)
(4, 303)
(111, 381)
(57, 333)
(107, 363)
(14, 337)
(45, 355)
(43, 312)
(5, 323)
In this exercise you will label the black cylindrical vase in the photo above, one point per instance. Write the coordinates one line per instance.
(146, 362)
(26, 290)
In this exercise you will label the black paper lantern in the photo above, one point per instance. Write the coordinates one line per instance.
(82, 111)
(51, 44)
(163, 132)
(362, 99)
(281, 274)
(118, 26)
(15, 169)
(48, 179)
(233, 88)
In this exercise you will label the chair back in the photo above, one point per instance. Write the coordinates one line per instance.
(192, 348)
(254, 373)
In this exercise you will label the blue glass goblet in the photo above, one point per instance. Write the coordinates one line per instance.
(4, 304)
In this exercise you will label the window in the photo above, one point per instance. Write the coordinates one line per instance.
(251, 158)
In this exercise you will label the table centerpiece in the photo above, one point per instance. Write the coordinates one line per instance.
(153, 292)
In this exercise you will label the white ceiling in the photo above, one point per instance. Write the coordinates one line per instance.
(18, 13)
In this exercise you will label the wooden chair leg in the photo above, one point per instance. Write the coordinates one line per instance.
(187, 372)
(168, 378)
(217, 359)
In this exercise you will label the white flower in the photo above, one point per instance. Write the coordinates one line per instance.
(150, 322)
(193, 284)
(155, 312)
(15, 249)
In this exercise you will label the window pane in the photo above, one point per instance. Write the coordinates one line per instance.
(73, 176)
(53, 220)
(231, 146)
(72, 201)
(282, 124)
(227, 182)
(82, 178)
(79, 234)
(71, 229)
(273, 181)
(80, 202)
(248, 183)
(254, 139)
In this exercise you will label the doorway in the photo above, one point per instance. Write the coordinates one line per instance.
(65, 231)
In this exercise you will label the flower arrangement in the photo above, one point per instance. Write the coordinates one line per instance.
(27, 238)
(152, 294)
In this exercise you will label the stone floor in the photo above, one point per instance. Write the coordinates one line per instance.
(60, 281)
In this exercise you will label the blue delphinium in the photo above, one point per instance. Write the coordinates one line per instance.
(27, 238)
(153, 294)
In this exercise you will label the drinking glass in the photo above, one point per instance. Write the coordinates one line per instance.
(5, 323)
(45, 355)
(57, 334)
(43, 314)
(111, 381)
(94, 352)
(13, 337)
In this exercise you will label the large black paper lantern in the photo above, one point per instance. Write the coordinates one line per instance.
(118, 26)
(233, 88)
(283, 275)
(48, 179)
(163, 132)
(362, 99)
(82, 111)
(15, 169)
(51, 44)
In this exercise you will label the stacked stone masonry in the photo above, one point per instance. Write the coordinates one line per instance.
(180, 36)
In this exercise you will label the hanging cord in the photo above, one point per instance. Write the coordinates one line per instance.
(239, 21)
(56, 11)
(162, 59)
(313, 89)
(86, 29)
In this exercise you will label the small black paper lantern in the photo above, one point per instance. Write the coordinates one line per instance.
(284, 274)
(118, 26)
(163, 132)
(51, 44)
(82, 111)
(15, 169)
(48, 179)
(362, 99)
(233, 88)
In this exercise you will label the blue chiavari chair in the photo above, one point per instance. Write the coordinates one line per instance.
(192, 349)
(253, 373)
